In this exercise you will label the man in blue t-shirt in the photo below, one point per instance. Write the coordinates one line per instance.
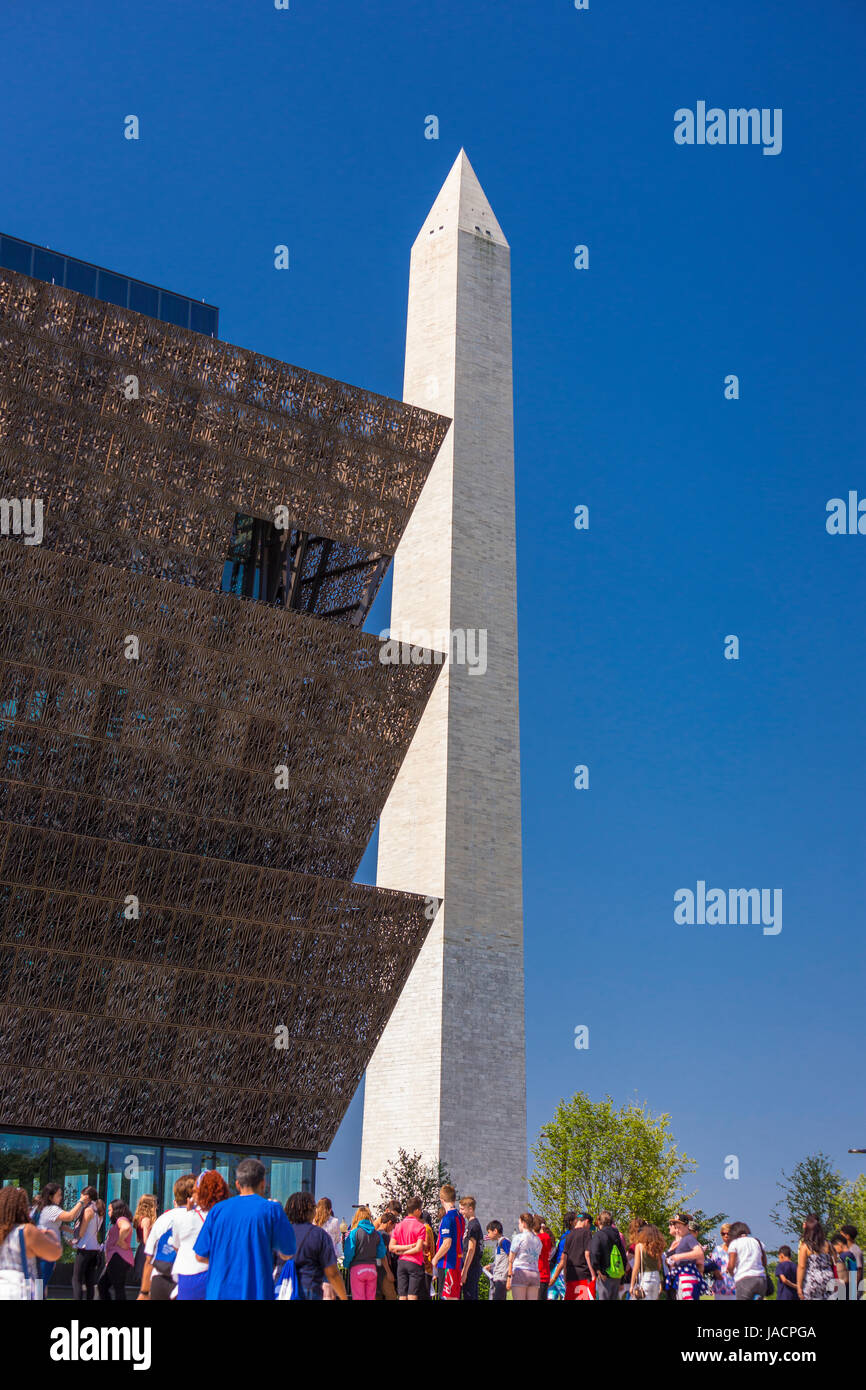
(241, 1239)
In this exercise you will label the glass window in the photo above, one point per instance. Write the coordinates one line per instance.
(133, 1171)
(174, 309)
(288, 1175)
(144, 299)
(81, 278)
(113, 288)
(24, 1161)
(78, 1163)
(177, 1163)
(48, 266)
(16, 255)
(203, 319)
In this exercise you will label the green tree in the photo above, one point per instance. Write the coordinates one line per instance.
(592, 1157)
(852, 1206)
(813, 1185)
(707, 1225)
(408, 1175)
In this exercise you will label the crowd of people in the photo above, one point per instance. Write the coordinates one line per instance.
(208, 1247)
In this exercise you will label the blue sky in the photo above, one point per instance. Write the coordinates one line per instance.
(707, 516)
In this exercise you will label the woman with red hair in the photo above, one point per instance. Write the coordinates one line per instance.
(210, 1188)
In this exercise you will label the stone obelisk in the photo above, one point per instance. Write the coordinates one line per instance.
(448, 1076)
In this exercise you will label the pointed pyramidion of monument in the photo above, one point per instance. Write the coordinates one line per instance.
(462, 203)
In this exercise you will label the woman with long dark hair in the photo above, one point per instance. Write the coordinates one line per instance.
(646, 1270)
(49, 1215)
(118, 1253)
(21, 1245)
(816, 1275)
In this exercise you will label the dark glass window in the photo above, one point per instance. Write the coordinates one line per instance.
(113, 288)
(144, 299)
(24, 1161)
(173, 309)
(48, 266)
(203, 319)
(293, 569)
(16, 255)
(78, 1163)
(81, 278)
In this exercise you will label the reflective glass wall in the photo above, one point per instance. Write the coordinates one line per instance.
(42, 264)
(127, 1169)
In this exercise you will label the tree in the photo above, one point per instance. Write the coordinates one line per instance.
(852, 1204)
(706, 1225)
(814, 1185)
(408, 1175)
(591, 1157)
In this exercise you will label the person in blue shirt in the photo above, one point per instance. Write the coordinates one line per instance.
(242, 1238)
(786, 1276)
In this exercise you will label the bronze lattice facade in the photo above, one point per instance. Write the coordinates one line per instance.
(171, 746)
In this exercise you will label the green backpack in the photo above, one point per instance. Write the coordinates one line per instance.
(616, 1268)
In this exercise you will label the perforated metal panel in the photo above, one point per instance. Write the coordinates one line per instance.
(151, 778)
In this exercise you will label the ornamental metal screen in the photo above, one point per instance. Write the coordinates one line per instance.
(189, 777)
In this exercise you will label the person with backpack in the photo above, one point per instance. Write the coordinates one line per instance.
(189, 1275)
(608, 1258)
(157, 1275)
(314, 1261)
(88, 1251)
(362, 1248)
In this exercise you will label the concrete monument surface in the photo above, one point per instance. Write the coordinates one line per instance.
(448, 1076)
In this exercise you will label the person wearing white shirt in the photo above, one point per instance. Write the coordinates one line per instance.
(747, 1262)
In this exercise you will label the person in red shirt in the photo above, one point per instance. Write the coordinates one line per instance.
(408, 1243)
(542, 1230)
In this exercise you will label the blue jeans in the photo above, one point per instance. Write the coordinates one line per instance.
(46, 1269)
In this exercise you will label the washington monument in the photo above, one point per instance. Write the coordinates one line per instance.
(448, 1077)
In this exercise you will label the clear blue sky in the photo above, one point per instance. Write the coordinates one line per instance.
(306, 127)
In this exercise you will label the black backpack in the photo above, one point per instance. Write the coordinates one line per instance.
(366, 1247)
